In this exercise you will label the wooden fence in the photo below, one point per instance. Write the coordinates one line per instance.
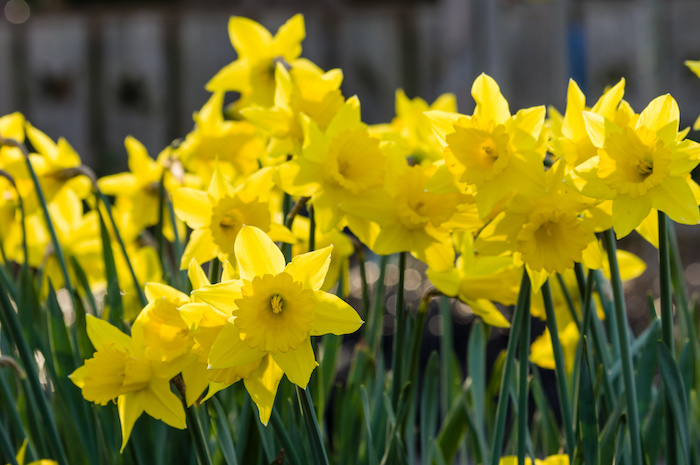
(96, 76)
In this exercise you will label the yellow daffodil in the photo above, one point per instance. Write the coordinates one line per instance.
(411, 131)
(274, 309)
(334, 166)
(56, 166)
(570, 140)
(544, 232)
(120, 369)
(79, 237)
(410, 218)
(233, 146)
(138, 190)
(497, 153)
(479, 281)
(298, 92)
(641, 166)
(252, 74)
(695, 68)
(216, 216)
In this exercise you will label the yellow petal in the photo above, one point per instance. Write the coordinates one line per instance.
(192, 206)
(116, 184)
(675, 198)
(195, 376)
(248, 37)
(162, 404)
(234, 76)
(311, 268)
(130, 408)
(257, 254)
(661, 111)
(628, 213)
(488, 312)
(221, 296)
(334, 315)
(490, 103)
(155, 291)
(201, 247)
(197, 276)
(262, 386)
(229, 350)
(289, 37)
(100, 332)
(297, 364)
(442, 123)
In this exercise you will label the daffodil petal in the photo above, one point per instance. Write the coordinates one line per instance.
(334, 315)
(262, 386)
(162, 404)
(201, 247)
(221, 295)
(311, 268)
(297, 364)
(675, 198)
(628, 213)
(101, 332)
(155, 291)
(192, 206)
(229, 350)
(130, 408)
(257, 255)
(196, 274)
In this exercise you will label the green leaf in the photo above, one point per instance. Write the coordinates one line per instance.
(113, 297)
(373, 460)
(429, 405)
(675, 396)
(588, 417)
(222, 430)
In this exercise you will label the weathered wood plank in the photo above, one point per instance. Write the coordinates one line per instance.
(534, 54)
(6, 82)
(57, 80)
(205, 48)
(133, 82)
(684, 85)
(371, 60)
(613, 40)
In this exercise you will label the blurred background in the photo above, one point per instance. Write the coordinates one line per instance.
(95, 71)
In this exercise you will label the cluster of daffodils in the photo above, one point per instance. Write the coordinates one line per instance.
(477, 198)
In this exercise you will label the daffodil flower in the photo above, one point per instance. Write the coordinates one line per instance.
(120, 370)
(275, 309)
(497, 153)
(298, 92)
(234, 147)
(217, 215)
(641, 166)
(252, 74)
(411, 131)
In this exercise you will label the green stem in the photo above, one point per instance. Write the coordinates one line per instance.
(9, 318)
(375, 327)
(312, 229)
(318, 450)
(559, 370)
(122, 246)
(666, 306)
(399, 334)
(522, 307)
(625, 355)
(201, 447)
(665, 284)
(6, 446)
(523, 355)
